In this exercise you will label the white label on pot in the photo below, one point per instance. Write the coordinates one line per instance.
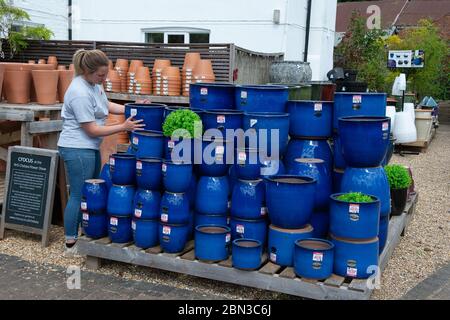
(273, 257)
(204, 91)
(112, 161)
(353, 208)
(253, 122)
(139, 165)
(137, 213)
(166, 230)
(83, 206)
(85, 216)
(114, 221)
(317, 107)
(263, 211)
(352, 272)
(221, 119)
(240, 228)
(242, 156)
(164, 167)
(318, 256)
(136, 141)
(244, 95)
(385, 126)
(171, 144)
(220, 150)
(164, 217)
(133, 225)
(228, 238)
(133, 112)
(229, 205)
(357, 99)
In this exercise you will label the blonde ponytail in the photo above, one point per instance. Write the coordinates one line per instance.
(88, 61)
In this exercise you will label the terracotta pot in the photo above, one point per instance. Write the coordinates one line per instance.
(31, 61)
(143, 73)
(65, 79)
(113, 75)
(17, 86)
(190, 60)
(53, 61)
(42, 61)
(109, 143)
(46, 84)
(61, 67)
(134, 65)
(71, 67)
(160, 64)
(110, 65)
(122, 65)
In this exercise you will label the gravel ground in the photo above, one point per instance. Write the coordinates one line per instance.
(424, 249)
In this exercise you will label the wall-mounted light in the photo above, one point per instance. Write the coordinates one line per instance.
(276, 16)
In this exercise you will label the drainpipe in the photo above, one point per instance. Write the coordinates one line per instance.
(308, 29)
(70, 19)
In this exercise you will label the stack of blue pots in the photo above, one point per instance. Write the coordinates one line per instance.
(93, 208)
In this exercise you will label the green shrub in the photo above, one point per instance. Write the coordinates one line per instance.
(355, 197)
(398, 176)
(183, 119)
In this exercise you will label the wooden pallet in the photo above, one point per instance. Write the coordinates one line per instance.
(418, 146)
(269, 277)
(2, 188)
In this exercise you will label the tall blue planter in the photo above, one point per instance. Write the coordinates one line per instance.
(216, 157)
(177, 176)
(123, 169)
(152, 114)
(147, 204)
(145, 233)
(249, 229)
(120, 201)
(212, 196)
(95, 226)
(149, 173)
(209, 96)
(94, 196)
(248, 200)
(261, 98)
(310, 118)
(148, 144)
(303, 148)
(173, 238)
(119, 229)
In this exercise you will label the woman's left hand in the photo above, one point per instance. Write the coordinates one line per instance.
(143, 101)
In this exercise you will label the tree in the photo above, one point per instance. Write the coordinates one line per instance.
(17, 38)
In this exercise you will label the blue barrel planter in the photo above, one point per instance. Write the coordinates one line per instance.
(262, 125)
(186, 147)
(249, 229)
(371, 181)
(119, 229)
(389, 153)
(210, 96)
(338, 156)
(149, 173)
(152, 114)
(261, 98)
(94, 196)
(145, 233)
(312, 119)
(246, 254)
(173, 238)
(177, 176)
(282, 243)
(123, 169)
(364, 140)
(175, 208)
(212, 243)
(192, 191)
(320, 221)
(348, 104)
(201, 219)
(95, 226)
(212, 196)
(350, 220)
(148, 144)
(338, 174)
(314, 149)
(147, 204)
(248, 164)
(222, 120)
(384, 231)
(313, 259)
(270, 168)
(318, 170)
(105, 175)
(121, 201)
(214, 157)
(284, 191)
(248, 200)
(355, 259)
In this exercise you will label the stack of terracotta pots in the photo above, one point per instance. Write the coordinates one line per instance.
(131, 75)
(158, 68)
(53, 61)
(65, 79)
(143, 81)
(113, 82)
(46, 85)
(190, 61)
(109, 143)
(171, 81)
(122, 68)
(42, 61)
(203, 72)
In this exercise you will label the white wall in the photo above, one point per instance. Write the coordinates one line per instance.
(51, 13)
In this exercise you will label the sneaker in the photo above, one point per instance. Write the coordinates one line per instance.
(71, 252)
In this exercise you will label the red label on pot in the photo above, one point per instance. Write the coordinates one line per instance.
(85, 216)
(204, 91)
(242, 157)
(166, 230)
(244, 95)
(164, 168)
(317, 107)
(135, 141)
(139, 165)
(164, 217)
(114, 221)
(228, 238)
(318, 256)
(221, 119)
(171, 144)
(133, 112)
(263, 211)
(112, 162)
(352, 272)
(137, 213)
(240, 228)
(357, 99)
(385, 126)
(133, 225)
(273, 257)
(354, 208)
(83, 206)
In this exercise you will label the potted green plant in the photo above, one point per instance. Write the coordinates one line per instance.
(399, 182)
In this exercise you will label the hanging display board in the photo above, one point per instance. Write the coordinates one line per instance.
(406, 59)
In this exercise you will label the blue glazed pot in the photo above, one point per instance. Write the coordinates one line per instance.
(171, 109)
(270, 168)
(232, 178)
(249, 229)
(94, 196)
(123, 169)
(148, 173)
(148, 144)
(177, 176)
(120, 201)
(320, 221)
(371, 181)
(364, 140)
(95, 226)
(201, 219)
(246, 254)
(152, 114)
(310, 118)
(314, 258)
(175, 208)
(282, 192)
(212, 196)
(248, 200)
(119, 229)
(216, 157)
(173, 238)
(355, 259)
(210, 96)
(350, 220)
(105, 175)
(222, 120)
(186, 147)
(338, 156)
(384, 231)
(147, 204)
(192, 191)
(338, 174)
(248, 164)
(145, 233)
(282, 243)
(389, 153)
(212, 243)
(314, 149)
(318, 170)
(262, 126)
(358, 104)
(261, 98)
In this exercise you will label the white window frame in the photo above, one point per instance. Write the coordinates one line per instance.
(186, 31)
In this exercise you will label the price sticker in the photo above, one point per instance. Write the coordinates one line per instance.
(138, 165)
(136, 141)
(352, 272)
(114, 221)
(228, 238)
(164, 217)
(244, 95)
(204, 91)
(167, 230)
(84, 206)
(357, 99)
(385, 126)
(318, 256)
(133, 112)
(240, 228)
(85, 216)
(353, 208)
(317, 107)
(221, 119)
(164, 167)
(138, 213)
(112, 161)
(273, 257)
(133, 225)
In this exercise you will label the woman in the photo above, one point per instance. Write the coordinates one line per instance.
(84, 112)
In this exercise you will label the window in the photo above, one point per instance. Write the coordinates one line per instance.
(176, 35)
(175, 38)
(199, 38)
(154, 37)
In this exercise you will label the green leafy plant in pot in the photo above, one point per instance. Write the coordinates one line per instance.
(399, 182)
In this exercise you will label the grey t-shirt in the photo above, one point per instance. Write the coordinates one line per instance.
(83, 103)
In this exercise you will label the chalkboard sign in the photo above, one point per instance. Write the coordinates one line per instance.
(30, 188)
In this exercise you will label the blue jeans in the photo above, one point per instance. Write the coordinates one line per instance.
(81, 165)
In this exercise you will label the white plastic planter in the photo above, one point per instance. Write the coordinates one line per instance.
(404, 129)
(391, 112)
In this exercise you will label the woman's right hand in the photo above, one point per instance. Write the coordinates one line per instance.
(131, 125)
